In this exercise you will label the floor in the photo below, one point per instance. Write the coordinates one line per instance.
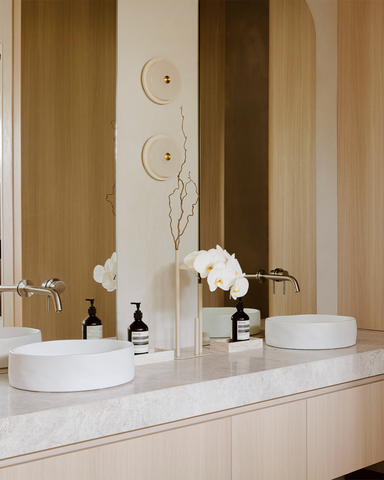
(364, 475)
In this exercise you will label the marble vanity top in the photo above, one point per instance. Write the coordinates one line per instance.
(170, 391)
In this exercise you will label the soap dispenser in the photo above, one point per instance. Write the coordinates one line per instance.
(138, 332)
(240, 324)
(92, 326)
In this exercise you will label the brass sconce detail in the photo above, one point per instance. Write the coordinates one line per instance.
(156, 81)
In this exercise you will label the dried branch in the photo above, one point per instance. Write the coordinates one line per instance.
(182, 187)
(109, 201)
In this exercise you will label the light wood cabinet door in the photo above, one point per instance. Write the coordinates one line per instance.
(270, 443)
(196, 452)
(345, 431)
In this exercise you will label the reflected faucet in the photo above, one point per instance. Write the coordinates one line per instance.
(276, 275)
(52, 288)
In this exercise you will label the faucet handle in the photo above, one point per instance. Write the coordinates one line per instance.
(55, 284)
(279, 271)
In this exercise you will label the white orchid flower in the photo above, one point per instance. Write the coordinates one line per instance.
(189, 259)
(106, 275)
(205, 261)
(239, 288)
(227, 256)
(221, 276)
(235, 265)
(221, 269)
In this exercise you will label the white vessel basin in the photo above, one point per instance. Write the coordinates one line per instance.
(71, 365)
(11, 337)
(217, 321)
(310, 332)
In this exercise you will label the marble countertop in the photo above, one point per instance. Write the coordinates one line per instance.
(170, 391)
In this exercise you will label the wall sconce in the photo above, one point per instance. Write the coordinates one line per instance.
(162, 157)
(160, 80)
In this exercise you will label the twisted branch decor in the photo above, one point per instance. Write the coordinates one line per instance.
(182, 191)
(182, 188)
(109, 201)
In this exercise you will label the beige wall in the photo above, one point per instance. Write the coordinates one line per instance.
(360, 166)
(145, 249)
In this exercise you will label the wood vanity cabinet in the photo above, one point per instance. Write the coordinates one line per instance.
(345, 431)
(201, 451)
(317, 435)
(270, 443)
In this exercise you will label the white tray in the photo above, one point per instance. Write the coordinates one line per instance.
(227, 346)
(155, 355)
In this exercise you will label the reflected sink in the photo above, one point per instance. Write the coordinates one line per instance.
(71, 365)
(11, 337)
(310, 332)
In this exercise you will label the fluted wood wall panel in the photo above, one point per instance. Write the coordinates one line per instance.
(68, 78)
(292, 154)
(360, 161)
(212, 133)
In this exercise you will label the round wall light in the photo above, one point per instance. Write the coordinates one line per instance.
(160, 80)
(162, 157)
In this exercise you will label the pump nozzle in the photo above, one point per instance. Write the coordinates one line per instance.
(138, 314)
(91, 309)
(240, 304)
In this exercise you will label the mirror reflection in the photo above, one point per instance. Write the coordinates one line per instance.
(258, 139)
(235, 78)
(68, 99)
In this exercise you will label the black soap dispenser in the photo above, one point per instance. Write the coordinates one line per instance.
(92, 326)
(138, 332)
(240, 324)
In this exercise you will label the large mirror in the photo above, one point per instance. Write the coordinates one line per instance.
(258, 130)
(68, 114)
(62, 197)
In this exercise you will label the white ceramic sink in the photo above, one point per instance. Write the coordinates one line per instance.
(217, 321)
(71, 365)
(310, 332)
(11, 337)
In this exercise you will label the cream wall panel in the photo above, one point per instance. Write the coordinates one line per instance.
(324, 14)
(145, 248)
(200, 451)
(345, 431)
(292, 154)
(270, 444)
(360, 165)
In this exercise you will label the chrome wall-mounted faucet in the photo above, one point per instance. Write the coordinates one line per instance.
(52, 288)
(276, 275)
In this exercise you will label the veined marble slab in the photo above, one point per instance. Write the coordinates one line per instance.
(170, 391)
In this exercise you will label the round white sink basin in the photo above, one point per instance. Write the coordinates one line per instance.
(310, 332)
(71, 365)
(11, 337)
(217, 321)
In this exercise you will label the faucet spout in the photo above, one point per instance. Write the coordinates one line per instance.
(50, 292)
(52, 288)
(277, 275)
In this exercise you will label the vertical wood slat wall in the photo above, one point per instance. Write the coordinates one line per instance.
(292, 144)
(292, 154)
(68, 96)
(360, 161)
(212, 133)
